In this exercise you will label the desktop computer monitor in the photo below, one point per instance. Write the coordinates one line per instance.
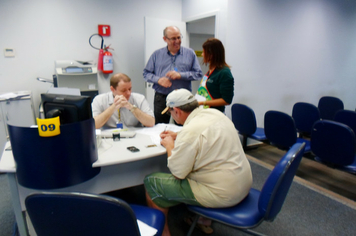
(69, 108)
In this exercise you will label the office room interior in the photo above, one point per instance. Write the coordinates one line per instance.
(280, 52)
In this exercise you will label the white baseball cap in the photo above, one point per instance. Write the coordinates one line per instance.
(177, 98)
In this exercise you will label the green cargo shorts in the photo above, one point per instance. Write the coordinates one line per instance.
(167, 191)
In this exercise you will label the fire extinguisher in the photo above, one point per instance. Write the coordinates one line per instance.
(105, 60)
(108, 65)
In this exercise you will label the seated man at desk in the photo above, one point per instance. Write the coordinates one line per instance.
(207, 163)
(121, 105)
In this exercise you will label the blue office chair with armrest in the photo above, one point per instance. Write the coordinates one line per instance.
(244, 120)
(305, 115)
(328, 106)
(59, 214)
(281, 131)
(258, 206)
(334, 144)
(347, 117)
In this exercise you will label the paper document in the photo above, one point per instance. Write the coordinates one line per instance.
(12, 95)
(145, 229)
(200, 98)
(156, 130)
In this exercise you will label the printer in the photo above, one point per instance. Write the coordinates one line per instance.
(82, 75)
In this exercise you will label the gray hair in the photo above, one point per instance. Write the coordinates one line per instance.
(189, 107)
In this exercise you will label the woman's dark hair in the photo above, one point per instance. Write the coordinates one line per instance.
(214, 52)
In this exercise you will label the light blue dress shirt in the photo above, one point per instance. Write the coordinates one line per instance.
(161, 61)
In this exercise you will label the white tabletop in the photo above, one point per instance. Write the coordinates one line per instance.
(115, 152)
(109, 152)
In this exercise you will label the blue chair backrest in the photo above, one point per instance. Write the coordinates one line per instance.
(280, 129)
(59, 214)
(243, 118)
(328, 106)
(333, 142)
(347, 117)
(277, 185)
(305, 115)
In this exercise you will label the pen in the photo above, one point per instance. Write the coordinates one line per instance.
(165, 129)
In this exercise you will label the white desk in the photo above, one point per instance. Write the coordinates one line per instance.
(120, 168)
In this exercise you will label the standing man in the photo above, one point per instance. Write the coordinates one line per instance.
(207, 163)
(121, 105)
(169, 68)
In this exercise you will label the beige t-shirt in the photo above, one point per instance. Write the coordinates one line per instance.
(208, 152)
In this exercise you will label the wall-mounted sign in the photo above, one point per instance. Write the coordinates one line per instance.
(104, 30)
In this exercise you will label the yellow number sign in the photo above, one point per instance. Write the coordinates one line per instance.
(48, 127)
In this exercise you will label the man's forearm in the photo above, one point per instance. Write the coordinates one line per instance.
(145, 119)
(101, 119)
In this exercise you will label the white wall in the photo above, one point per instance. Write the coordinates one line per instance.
(283, 52)
(197, 9)
(44, 31)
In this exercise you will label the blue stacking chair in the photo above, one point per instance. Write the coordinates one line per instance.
(347, 117)
(328, 106)
(81, 214)
(281, 131)
(258, 206)
(305, 115)
(244, 120)
(334, 144)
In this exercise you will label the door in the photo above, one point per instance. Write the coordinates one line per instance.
(154, 40)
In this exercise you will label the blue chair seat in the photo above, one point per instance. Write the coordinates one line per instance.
(245, 213)
(150, 216)
(259, 134)
(349, 168)
(261, 205)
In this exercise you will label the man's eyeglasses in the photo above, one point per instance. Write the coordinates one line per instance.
(174, 39)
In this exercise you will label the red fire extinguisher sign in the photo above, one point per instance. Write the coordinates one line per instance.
(104, 30)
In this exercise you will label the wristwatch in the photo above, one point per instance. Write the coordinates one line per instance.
(134, 107)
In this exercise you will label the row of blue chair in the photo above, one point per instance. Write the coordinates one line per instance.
(281, 130)
(304, 116)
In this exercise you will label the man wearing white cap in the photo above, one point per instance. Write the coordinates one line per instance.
(206, 159)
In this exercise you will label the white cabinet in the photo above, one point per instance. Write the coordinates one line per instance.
(15, 109)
